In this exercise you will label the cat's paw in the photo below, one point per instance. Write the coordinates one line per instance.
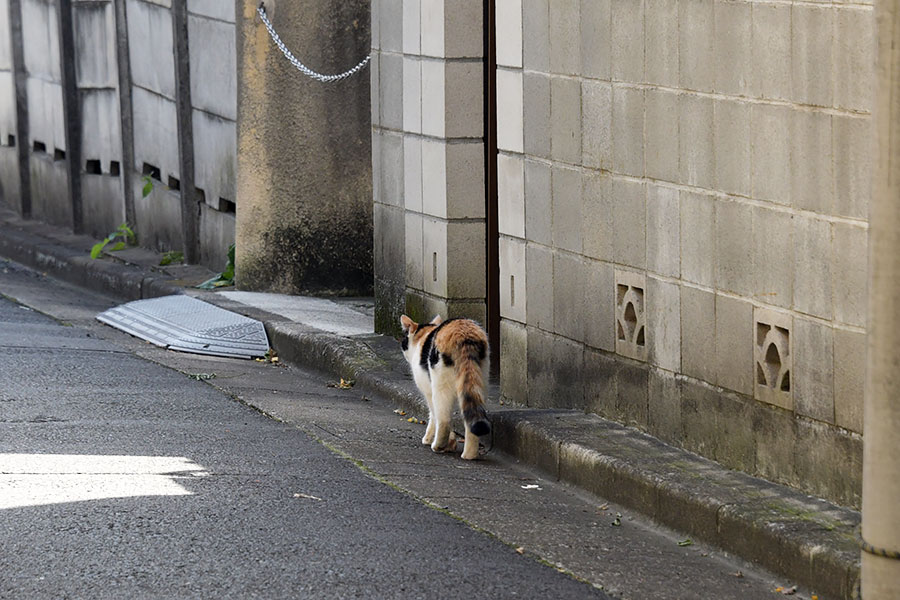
(470, 452)
(426, 441)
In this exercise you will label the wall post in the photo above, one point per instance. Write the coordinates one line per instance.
(881, 464)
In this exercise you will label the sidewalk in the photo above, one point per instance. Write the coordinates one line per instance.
(809, 540)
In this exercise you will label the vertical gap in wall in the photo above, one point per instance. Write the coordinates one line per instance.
(21, 84)
(126, 117)
(490, 186)
(71, 111)
(190, 207)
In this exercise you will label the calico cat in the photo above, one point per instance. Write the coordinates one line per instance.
(449, 361)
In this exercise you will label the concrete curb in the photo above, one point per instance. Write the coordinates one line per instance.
(806, 540)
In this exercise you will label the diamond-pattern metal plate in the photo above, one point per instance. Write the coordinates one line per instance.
(189, 325)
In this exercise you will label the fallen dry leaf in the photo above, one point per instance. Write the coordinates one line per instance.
(603, 506)
(789, 591)
(400, 412)
(520, 550)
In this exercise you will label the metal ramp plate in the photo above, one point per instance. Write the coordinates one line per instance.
(189, 325)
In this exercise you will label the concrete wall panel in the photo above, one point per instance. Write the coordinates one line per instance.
(101, 137)
(215, 162)
(5, 37)
(50, 190)
(213, 71)
(46, 121)
(40, 33)
(95, 45)
(7, 107)
(216, 235)
(102, 203)
(214, 9)
(150, 47)
(10, 189)
(155, 133)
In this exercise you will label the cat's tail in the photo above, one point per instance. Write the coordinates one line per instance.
(470, 388)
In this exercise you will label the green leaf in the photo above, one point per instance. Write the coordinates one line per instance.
(686, 542)
(97, 249)
(148, 186)
(118, 246)
(173, 256)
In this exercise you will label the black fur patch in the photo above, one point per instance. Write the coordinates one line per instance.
(448, 362)
(476, 348)
(481, 428)
(404, 343)
(433, 356)
(427, 345)
(476, 417)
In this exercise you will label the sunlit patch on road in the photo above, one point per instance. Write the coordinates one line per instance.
(40, 479)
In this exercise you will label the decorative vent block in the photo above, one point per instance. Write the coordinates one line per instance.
(772, 358)
(631, 322)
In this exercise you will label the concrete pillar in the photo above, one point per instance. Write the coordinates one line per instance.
(304, 216)
(71, 112)
(881, 464)
(126, 114)
(428, 160)
(190, 209)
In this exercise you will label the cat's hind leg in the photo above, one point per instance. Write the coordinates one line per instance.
(429, 429)
(470, 450)
(442, 399)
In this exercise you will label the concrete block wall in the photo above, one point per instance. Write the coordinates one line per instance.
(97, 78)
(213, 73)
(46, 120)
(683, 192)
(9, 173)
(122, 67)
(428, 159)
(154, 99)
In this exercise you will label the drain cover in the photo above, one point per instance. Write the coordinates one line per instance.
(189, 325)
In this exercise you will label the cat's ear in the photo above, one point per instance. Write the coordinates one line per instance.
(437, 320)
(408, 324)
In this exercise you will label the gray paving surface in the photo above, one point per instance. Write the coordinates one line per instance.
(242, 532)
(277, 516)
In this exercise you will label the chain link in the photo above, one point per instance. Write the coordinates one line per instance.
(296, 62)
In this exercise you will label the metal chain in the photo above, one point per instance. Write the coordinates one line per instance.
(296, 62)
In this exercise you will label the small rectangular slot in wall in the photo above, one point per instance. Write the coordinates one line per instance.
(227, 206)
(174, 184)
(512, 290)
(114, 168)
(434, 266)
(59, 154)
(39, 146)
(201, 195)
(10, 140)
(93, 167)
(152, 170)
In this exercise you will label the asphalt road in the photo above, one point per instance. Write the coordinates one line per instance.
(128, 471)
(121, 478)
